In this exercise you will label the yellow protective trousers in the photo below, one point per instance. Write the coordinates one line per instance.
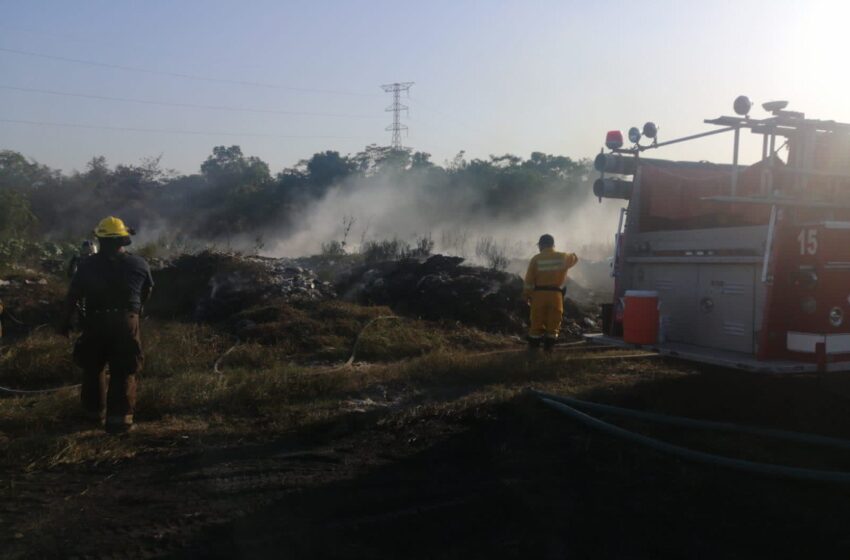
(547, 310)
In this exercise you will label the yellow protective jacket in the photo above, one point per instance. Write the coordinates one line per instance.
(548, 269)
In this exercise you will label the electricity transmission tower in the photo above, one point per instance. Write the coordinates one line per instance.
(396, 108)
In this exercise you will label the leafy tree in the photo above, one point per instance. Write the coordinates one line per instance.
(235, 195)
(228, 167)
(16, 218)
(420, 160)
(324, 169)
(16, 172)
(375, 159)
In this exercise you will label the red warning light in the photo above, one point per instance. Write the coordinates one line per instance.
(614, 140)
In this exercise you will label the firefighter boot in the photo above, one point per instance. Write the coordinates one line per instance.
(95, 416)
(534, 343)
(548, 344)
(119, 424)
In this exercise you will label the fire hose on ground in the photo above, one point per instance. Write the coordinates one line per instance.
(569, 407)
(350, 360)
(36, 391)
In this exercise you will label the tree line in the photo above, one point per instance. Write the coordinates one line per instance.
(233, 194)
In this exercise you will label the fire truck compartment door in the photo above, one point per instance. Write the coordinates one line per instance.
(726, 307)
(677, 289)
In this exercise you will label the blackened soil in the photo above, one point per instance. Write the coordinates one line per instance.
(530, 484)
(511, 481)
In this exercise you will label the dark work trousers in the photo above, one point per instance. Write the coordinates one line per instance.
(110, 338)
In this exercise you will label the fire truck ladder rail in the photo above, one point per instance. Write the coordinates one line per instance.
(562, 404)
(656, 145)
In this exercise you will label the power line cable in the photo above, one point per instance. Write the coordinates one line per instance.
(64, 36)
(101, 42)
(182, 75)
(185, 105)
(453, 120)
(171, 131)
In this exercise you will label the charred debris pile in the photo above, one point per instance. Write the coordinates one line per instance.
(253, 296)
(221, 287)
(212, 287)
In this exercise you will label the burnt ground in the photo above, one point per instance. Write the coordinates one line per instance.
(507, 480)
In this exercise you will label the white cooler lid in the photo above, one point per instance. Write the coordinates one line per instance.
(641, 293)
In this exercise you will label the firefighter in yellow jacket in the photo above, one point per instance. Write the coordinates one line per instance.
(544, 291)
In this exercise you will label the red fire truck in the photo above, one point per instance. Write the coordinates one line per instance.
(750, 264)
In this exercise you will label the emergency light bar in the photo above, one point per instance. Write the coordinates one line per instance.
(614, 140)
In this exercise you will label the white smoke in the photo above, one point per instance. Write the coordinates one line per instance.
(383, 208)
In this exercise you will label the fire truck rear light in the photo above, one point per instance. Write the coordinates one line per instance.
(836, 316)
(614, 140)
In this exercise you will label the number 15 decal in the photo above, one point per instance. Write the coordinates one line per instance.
(808, 239)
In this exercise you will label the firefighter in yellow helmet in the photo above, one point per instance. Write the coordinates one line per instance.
(544, 291)
(114, 284)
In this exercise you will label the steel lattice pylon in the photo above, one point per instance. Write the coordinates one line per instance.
(396, 108)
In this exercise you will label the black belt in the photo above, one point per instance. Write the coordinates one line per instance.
(550, 289)
(113, 310)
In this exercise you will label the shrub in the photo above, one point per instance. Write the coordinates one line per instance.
(493, 254)
(423, 246)
(386, 250)
(47, 255)
(333, 249)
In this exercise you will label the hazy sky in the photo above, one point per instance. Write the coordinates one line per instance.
(491, 77)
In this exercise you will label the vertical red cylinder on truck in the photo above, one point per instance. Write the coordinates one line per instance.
(640, 317)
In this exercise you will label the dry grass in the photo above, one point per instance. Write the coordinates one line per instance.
(286, 376)
(40, 360)
(261, 392)
(43, 359)
(326, 331)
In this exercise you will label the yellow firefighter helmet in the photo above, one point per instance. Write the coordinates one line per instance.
(112, 227)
